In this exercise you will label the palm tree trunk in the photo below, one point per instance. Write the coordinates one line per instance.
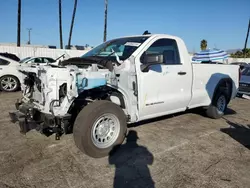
(60, 24)
(105, 21)
(245, 46)
(72, 24)
(19, 23)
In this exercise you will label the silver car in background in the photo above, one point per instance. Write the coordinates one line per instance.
(244, 87)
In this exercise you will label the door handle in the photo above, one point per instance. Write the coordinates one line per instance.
(182, 73)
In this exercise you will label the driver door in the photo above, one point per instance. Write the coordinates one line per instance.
(164, 88)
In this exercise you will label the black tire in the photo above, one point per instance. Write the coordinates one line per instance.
(212, 110)
(85, 120)
(17, 86)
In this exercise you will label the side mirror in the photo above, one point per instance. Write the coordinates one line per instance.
(151, 59)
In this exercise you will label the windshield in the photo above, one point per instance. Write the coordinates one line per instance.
(246, 71)
(25, 59)
(123, 47)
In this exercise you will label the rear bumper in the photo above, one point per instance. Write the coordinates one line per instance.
(243, 93)
(244, 88)
(30, 118)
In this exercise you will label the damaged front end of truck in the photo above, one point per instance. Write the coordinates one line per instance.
(52, 96)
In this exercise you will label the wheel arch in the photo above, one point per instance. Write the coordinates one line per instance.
(119, 95)
(224, 84)
(124, 99)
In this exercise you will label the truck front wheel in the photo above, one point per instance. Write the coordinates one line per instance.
(99, 127)
(219, 105)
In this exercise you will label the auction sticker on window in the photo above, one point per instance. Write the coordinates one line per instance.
(136, 44)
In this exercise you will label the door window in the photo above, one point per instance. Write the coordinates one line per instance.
(166, 47)
(48, 60)
(38, 60)
(45, 60)
(4, 62)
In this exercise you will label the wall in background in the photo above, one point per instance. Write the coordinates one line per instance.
(231, 60)
(23, 52)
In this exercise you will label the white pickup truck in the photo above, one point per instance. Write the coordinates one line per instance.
(121, 81)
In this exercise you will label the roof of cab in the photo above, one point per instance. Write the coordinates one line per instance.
(150, 35)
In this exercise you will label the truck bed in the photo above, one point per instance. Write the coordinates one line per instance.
(206, 78)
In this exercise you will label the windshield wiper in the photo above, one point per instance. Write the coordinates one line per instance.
(105, 57)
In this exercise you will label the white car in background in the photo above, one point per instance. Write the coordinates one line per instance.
(37, 60)
(41, 60)
(9, 75)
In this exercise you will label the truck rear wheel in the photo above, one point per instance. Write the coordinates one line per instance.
(99, 127)
(219, 105)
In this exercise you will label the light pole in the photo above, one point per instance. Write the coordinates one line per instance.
(29, 30)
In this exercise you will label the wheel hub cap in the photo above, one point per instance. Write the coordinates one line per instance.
(8, 84)
(221, 104)
(105, 131)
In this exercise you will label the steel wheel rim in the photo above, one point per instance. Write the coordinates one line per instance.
(221, 104)
(105, 131)
(8, 84)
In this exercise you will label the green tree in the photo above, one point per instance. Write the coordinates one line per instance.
(105, 21)
(203, 44)
(240, 54)
(72, 24)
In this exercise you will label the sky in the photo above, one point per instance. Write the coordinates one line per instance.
(223, 23)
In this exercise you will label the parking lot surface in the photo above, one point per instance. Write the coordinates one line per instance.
(182, 150)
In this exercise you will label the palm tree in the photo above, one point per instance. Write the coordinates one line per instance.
(105, 21)
(60, 24)
(19, 23)
(72, 24)
(248, 29)
(203, 44)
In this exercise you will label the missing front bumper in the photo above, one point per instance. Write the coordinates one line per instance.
(24, 124)
(29, 118)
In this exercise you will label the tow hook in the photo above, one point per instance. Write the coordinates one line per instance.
(58, 129)
(57, 135)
